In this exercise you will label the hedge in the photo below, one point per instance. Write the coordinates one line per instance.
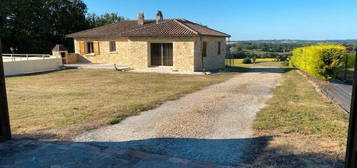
(321, 61)
(351, 60)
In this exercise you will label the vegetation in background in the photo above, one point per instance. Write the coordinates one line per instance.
(107, 18)
(36, 26)
(239, 62)
(281, 50)
(58, 105)
(258, 49)
(247, 61)
(321, 61)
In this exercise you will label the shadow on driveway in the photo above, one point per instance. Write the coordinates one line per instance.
(28, 153)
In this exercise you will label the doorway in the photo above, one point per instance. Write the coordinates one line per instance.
(161, 54)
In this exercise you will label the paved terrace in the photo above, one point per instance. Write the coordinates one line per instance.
(338, 92)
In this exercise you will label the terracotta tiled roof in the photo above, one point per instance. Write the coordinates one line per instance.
(168, 28)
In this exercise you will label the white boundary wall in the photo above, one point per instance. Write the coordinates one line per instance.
(32, 66)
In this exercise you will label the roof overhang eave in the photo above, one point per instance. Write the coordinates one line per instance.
(162, 36)
(226, 36)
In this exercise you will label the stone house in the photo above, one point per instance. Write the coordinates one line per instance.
(176, 45)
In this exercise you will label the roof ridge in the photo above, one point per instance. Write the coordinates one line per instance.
(95, 28)
(169, 27)
(144, 26)
(208, 28)
(187, 27)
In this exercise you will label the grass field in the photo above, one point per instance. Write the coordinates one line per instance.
(64, 103)
(307, 129)
(239, 62)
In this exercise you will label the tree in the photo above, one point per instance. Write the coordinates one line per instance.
(35, 26)
(107, 18)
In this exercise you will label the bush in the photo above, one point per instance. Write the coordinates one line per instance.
(321, 61)
(351, 60)
(247, 60)
(282, 57)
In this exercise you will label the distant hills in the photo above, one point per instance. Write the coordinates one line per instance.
(349, 41)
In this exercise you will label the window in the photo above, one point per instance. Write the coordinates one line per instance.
(219, 48)
(112, 46)
(161, 54)
(204, 49)
(90, 47)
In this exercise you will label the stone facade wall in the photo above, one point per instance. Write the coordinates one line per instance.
(105, 56)
(135, 53)
(213, 60)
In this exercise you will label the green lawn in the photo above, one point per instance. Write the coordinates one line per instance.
(307, 128)
(298, 108)
(64, 103)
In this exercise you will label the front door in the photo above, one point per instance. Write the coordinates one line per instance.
(161, 54)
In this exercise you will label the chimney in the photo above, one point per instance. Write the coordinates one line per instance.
(159, 17)
(140, 18)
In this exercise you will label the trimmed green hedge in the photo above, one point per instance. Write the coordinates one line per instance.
(351, 60)
(321, 61)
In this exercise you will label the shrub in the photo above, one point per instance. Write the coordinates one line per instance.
(282, 57)
(321, 61)
(247, 60)
(351, 60)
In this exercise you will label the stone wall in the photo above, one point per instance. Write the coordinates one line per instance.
(135, 53)
(105, 56)
(213, 60)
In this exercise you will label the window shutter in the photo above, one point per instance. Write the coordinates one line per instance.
(82, 48)
(96, 47)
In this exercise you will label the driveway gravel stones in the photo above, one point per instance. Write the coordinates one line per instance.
(208, 128)
(211, 125)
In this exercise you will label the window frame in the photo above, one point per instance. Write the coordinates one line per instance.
(204, 49)
(112, 46)
(89, 47)
(161, 54)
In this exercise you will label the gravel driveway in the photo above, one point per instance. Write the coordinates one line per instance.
(210, 125)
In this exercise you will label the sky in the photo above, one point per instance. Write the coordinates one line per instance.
(250, 19)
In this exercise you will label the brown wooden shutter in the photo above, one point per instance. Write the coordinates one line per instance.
(96, 47)
(82, 48)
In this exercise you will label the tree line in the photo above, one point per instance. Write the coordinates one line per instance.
(279, 49)
(35, 26)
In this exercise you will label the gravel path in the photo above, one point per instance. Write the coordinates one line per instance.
(211, 125)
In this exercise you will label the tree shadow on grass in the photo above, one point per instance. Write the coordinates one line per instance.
(245, 152)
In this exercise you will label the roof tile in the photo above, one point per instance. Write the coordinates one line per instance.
(168, 28)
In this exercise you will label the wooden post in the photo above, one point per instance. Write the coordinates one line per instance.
(351, 152)
(5, 133)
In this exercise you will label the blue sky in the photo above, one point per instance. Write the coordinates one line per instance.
(250, 19)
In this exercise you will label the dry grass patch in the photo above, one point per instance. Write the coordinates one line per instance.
(64, 103)
(307, 129)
